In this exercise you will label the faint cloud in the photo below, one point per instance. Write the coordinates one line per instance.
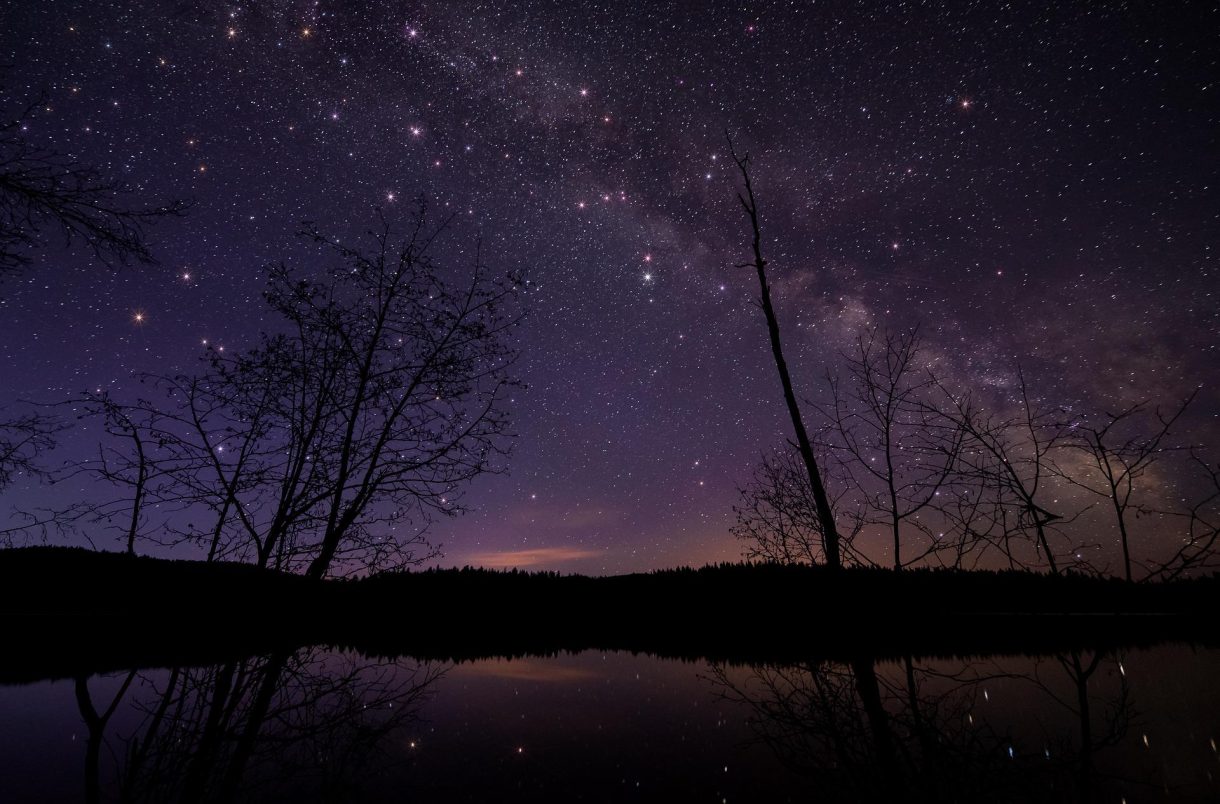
(538, 557)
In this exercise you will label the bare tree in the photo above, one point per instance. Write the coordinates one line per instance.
(210, 456)
(1122, 451)
(822, 504)
(128, 475)
(777, 516)
(1201, 536)
(45, 193)
(389, 394)
(899, 451)
(24, 439)
(131, 469)
(336, 439)
(1007, 462)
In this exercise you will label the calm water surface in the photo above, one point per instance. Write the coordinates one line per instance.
(320, 725)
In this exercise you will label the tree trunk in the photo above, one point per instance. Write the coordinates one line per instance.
(826, 519)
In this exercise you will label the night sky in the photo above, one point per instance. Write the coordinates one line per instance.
(1030, 182)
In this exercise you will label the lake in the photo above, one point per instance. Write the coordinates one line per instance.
(328, 725)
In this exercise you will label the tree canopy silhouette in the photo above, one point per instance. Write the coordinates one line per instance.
(336, 438)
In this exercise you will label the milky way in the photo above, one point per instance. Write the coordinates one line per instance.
(1034, 184)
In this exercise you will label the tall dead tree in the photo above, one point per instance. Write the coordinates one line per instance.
(825, 513)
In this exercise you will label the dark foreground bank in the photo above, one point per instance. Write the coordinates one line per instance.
(70, 611)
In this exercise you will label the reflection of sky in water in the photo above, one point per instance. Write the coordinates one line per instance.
(618, 725)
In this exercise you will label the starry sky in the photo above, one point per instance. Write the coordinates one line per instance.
(1029, 182)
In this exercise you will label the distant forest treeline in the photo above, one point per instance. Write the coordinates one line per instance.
(125, 610)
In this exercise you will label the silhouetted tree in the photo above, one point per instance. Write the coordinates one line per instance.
(777, 517)
(1122, 447)
(191, 454)
(822, 502)
(24, 438)
(218, 459)
(386, 395)
(127, 476)
(1200, 543)
(898, 451)
(133, 468)
(1006, 460)
(335, 439)
(45, 194)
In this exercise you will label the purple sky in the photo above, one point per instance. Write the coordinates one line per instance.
(1036, 184)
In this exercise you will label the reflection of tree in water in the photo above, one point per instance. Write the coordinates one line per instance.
(301, 726)
(861, 734)
(1103, 721)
